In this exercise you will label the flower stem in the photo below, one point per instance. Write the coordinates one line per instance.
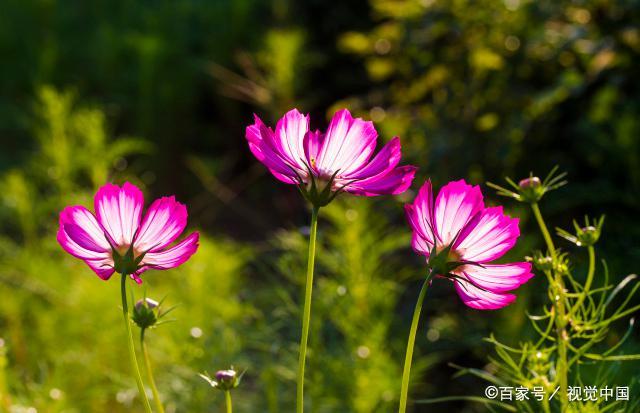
(132, 351)
(152, 382)
(562, 337)
(588, 282)
(404, 390)
(306, 312)
(227, 399)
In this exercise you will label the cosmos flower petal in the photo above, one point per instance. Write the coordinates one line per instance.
(456, 204)
(103, 267)
(420, 215)
(381, 164)
(164, 222)
(480, 299)
(259, 137)
(348, 144)
(289, 137)
(488, 236)
(313, 142)
(395, 182)
(420, 245)
(81, 235)
(497, 278)
(119, 211)
(174, 256)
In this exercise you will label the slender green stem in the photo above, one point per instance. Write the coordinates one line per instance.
(132, 351)
(152, 382)
(306, 311)
(562, 338)
(406, 373)
(543, 229)
(588, 282)
(227, 400)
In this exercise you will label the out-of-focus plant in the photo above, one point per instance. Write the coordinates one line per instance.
(571, 327)
(484, 83)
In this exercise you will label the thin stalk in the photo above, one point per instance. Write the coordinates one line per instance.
(306, 311)
(227, 400)
(562, 368)
(587, 285)
(406, 373)
(132, 351)
(152, 382)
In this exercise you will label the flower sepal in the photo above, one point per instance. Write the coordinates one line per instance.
(444, 261)
(126, 263)
(319, 192)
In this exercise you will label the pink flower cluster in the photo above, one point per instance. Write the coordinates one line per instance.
(456, 232)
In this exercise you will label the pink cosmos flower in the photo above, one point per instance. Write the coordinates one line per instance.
(342, 159)
(115, 239)
(459, 237)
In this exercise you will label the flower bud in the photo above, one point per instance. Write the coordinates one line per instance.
(533, 182)
(224, 379)
(146, 313)
(585, 236)
(588, 235)
(531, 189)
(226, 376)
(541, 262)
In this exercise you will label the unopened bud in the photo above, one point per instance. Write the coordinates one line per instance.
(145, 313)
(148, 302)
(224, 379)
(533, 182)
(226, 375)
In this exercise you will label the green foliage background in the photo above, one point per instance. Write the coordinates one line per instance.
(159, 93)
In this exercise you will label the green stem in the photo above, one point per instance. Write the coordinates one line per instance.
(543, 229)
(406, 373)
(152, 382)
(227, 399)
(306, 312)
(132, 351)
(562, 338)
(588, 282)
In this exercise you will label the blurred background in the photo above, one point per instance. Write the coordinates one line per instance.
(159, 93)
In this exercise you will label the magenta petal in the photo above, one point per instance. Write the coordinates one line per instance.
(383, 163)
(81, 235)
(259, 138)
(488, 236)
(420, 244)
(174, 256)
(497, 278)
(119, 210)
(456, 204)
(479, 299)
(395, 182)
(313, 142)
(103, 268)
(420, 215)
(348, 144)
(288, 139)
(164, 222)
